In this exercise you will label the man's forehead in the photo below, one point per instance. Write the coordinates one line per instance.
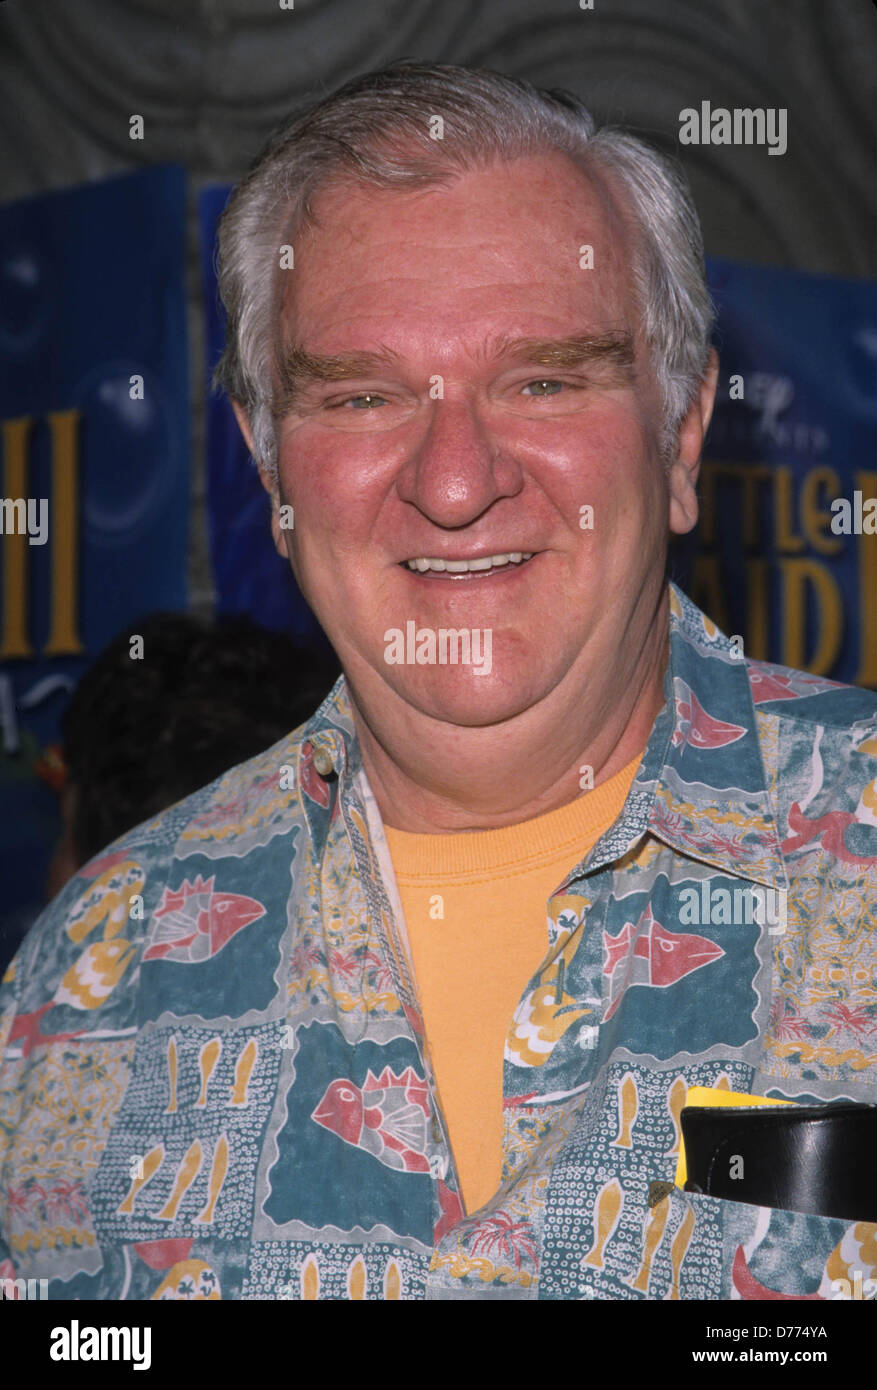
(371, 248)
(541, 191)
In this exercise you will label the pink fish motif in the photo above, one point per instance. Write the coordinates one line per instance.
(451, 1208)
(95, 867)
(235, 809)
(696, 727)
(7, 1271)
(193, 923)
(27, 1030)
(773, 683)
(313, 785)
(414, 1018)
(828, 830)
(387, 1117)
(162, 1254)
(659, 957)
(749, 1288)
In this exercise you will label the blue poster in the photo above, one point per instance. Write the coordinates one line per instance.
(776, 557)
(248, 574)
(94, 412)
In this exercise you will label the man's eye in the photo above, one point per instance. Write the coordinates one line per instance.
(356, 402)
(547, 387)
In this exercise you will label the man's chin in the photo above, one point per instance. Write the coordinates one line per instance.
(464, 697)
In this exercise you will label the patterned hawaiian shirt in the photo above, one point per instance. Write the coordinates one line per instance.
(215, 1082)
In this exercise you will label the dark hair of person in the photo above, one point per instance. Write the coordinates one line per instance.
(141, 734)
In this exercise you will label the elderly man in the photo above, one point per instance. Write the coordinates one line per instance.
(410, 1005)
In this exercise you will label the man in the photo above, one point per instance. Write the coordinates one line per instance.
(409, 1005)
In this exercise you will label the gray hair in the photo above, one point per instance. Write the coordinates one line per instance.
(377, 130)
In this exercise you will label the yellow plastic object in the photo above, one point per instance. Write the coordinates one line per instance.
(705, 1095)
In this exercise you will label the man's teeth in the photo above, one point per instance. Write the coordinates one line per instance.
(512, 557)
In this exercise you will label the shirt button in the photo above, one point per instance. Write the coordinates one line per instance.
(323, 762)
(436, 1130)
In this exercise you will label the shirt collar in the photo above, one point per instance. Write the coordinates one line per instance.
(700, 788)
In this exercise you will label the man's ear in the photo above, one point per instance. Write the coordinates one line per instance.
(244, 425)
(268, 482)
(684, 469)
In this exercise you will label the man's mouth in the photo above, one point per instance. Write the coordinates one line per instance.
(459, 569)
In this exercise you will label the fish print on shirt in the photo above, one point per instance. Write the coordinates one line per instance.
(649, 955)
(266, 1125)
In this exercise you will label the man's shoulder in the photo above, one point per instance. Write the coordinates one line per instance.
(818, 742)
(799, 697)
(220, 815)
(710, 663)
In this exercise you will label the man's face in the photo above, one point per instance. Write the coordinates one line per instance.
(461, 445)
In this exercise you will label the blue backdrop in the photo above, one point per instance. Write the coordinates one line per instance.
(95, 412)
(764, 561)
(249, 576)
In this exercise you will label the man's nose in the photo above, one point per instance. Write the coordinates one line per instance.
(458, 468)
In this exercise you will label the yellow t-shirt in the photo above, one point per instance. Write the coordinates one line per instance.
(472, 963)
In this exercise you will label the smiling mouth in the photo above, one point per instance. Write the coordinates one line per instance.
(463, 569)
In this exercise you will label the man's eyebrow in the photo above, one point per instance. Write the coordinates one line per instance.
(300, 368)
(612, 349)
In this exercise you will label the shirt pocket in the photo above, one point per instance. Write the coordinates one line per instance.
(699, 1247)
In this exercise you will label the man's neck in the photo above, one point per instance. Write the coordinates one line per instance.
(441, 778)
